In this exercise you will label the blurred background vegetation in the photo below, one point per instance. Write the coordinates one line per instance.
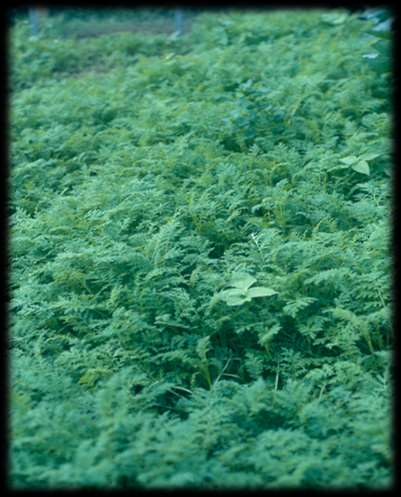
(82, 23)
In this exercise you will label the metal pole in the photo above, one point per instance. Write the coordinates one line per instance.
(178, 21)
(33, 18)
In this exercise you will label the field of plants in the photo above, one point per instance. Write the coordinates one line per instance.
(200, 275)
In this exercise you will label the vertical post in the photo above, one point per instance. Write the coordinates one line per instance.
(178, 21)
(33, 18)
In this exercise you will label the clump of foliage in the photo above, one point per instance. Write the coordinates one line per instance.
(200, 289)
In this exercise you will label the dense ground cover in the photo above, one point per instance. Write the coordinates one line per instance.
(200, 275)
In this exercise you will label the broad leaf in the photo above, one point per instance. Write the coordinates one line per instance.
(233, 296)
(242, 280)
(369, 156)
(361, 167)
(232, 292)
(351, 159)
(260, 291)
(235, 300)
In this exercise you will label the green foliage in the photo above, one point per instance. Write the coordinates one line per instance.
(241, 292)
(199, 241)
